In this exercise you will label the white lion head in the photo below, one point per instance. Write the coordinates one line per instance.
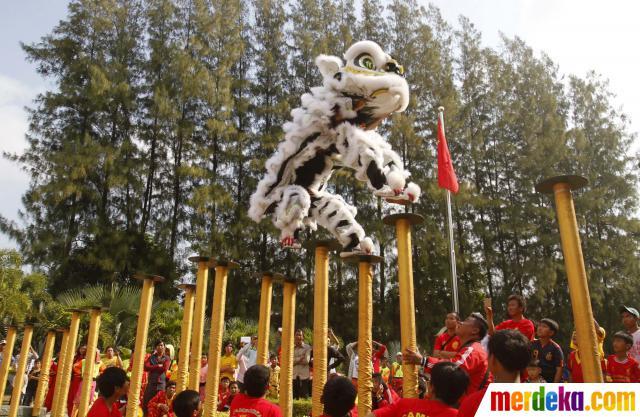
(370, 78)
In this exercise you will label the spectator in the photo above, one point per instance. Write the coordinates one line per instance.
(471, 356)
(515, 310)
(223, 394)
(204, 370)
(422, 386)
(509, 354)
(352, 353)
(448, 343)
(76, 377)
(111, 358)
(385, 372)
(533, 372)
(250, 352)
(448, 383)
(338, 397)
(228, 362)
(381, 394)
(159, 406)
(187, 404)
(396, 374)
(301, 374)
(112, 384)
(377, 356)
(274, 376)
(252, 401)
(53, 371)
(574, 365)
(630, 322)
(621, 366)
(334, 356)
(547, 351)
(156, 365)
(32, 384)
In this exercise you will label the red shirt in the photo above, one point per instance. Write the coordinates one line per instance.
(450, 343)
(377, 356)
(100, 409)
(627, 371)
(471, 403)
(473, 359)
(525, 326)
(412, 406)
(575, 366)
(245, 406)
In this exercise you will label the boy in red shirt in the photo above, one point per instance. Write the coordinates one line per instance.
(252, 403)
(112, 384)
(448, 383)
(621, 367)
(471, 356)
(515, 310)
(338, 397)
(448, 343)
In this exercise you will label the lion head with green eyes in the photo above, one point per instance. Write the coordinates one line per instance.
(371, 83)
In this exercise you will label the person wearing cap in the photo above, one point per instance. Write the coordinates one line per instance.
(547, 351)
(621, 366)
(471, 356)
(630, 316)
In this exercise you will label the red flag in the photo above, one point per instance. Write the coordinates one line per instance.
(446, 175)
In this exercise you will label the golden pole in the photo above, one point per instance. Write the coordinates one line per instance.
(65, 377)
(215, 336)
(90, 360)
(286, 367)
(185, 337)
(365, 321)
(202, 276)
(6, 363)
(16, 393)
(43, 381)
(561, 187)
(62, 360)
(142, 331)
(264, 319)
(403, 221)
(320, 321)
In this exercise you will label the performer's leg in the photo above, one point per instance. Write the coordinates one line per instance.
(334, 214)
(290, 213)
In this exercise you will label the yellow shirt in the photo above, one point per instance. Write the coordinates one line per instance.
(228, 360)
(274, 382)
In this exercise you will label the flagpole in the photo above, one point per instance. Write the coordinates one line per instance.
(452, 251)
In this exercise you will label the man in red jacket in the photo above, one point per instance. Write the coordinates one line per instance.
(471, 356)
(517, 321)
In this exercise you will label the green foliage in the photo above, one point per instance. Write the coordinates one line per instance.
(162, 113)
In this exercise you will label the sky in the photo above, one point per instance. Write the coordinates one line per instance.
(579, 35)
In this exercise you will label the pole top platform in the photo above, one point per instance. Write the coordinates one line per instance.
(575, 182)
(412, 218)
(186, 286)
(331, 244)
(142, 276)
(226, 263)
(356, 259)
(199, 258)
(102, 309)
(61, 329)
(75, 310)
(276, 276)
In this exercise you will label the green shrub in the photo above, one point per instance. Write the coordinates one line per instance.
(301, 408)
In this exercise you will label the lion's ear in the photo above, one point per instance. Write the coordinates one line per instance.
(328, 65)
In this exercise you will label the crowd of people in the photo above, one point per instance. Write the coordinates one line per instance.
(468, 355)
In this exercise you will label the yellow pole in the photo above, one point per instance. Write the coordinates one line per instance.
(264, 319)
(403, 222)
(64, 379)
(286, 368)
(185, 337)
(16, 393)
(89, 362)
(6, 362)
(576, 274)
(62, 360)
(320, 321)
(215, 336)
(43, 381)
(202, 276)
(142, 331)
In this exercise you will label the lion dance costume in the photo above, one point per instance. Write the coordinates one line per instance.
(335, 127)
